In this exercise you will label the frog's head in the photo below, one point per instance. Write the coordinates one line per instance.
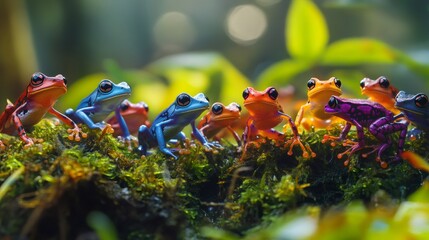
(378, 89)
(111, 93)
(410, 104)
(48, 88)
(187, 105)
(220, 112)
(261, 102)
(128, 108)
(335, 105)
(318, 89)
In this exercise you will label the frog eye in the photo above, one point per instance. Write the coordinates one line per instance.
(124, 106)
(106, 86)
(183, 99)
(421, 100)
(37, 79)
(333, 102)
(384, 83)
(311, 84)
(238, 106)
(362, 83)
(273, 93)
(246, 93)
(337, 82)
(217, 109)
(146, 107)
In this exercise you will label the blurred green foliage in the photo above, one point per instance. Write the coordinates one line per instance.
(307, 38)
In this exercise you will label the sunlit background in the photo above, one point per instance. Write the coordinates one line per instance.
(132, 40)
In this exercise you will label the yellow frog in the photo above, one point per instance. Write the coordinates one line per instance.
(319, 92)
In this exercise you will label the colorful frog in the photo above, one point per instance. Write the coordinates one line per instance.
(265, 113)
(38, 99)
(170, 123)
(95, 108)
(134, 114)
(380, 91)
(218, 118)
(369, 114)
(415, 108)
(318, 94)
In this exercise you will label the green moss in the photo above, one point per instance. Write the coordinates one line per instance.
(158, 197)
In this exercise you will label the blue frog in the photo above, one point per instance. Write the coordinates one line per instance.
(95, 108)
(170, 123)
(415, 107)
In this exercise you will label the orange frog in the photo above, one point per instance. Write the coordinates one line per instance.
(380, 91)
(134, 114)
(38, 99)
(218, 118)
(318, 94)
(265, 113)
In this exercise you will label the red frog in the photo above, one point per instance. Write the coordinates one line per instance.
(134, 114)
(220, 117)
(380, 91)
(318, 93)
(265, 113)
(364, 113)
(38, 99)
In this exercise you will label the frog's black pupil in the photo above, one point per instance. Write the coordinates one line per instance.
(384, 83)
(37, 79)
(421, 100)
(273, 93)
(332, 102)
(310, 84)
(245, 93)
(183, 99)
(238, 106)
(106, 86)
(217, 109)
(337, 82)
(124, 107)
(362, 84)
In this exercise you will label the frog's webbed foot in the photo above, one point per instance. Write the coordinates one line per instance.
(213, 146)
(29, 142)
(380, 149)
(349, 152)
(305, 149)
(335, 140)
(168, 152)
(74, 134)
(107, 129)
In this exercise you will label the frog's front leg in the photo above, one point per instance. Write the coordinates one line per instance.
(202, 139)
(296, 140)
(356, 146)
(159, 134)
(341, 138)
(300, 118)
(75, 131)
(20, 128)
(81, 114)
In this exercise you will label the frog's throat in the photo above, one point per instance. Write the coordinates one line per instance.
(259, 102)
(408, 110)
(335, 90)
(117, 96)
(231, 117)
(46, 89)
(365, 90)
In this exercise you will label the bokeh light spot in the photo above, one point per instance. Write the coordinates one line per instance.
(174, 31)
(245, 24)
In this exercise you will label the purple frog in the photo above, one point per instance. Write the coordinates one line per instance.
(365, 113)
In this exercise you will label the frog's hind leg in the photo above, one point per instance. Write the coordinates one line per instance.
(143, 138)
(380, 129)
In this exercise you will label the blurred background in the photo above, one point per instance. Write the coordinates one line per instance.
(223, 45)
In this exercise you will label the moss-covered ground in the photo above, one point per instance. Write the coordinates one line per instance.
(59, 189)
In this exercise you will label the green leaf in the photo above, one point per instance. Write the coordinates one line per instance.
(354, 51)
(306, 30)
(281, 73)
